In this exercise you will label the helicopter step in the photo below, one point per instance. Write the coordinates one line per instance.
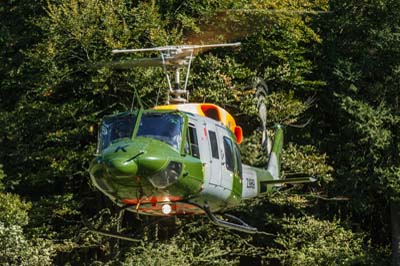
(240, 226)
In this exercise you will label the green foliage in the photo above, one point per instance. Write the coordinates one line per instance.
(296, 159)
(251, 150)
(13, 211)
(309, 241)
(372, 125)
(284, 108)
(360, 62)
(2, 176)
(300, 236)
(17, 34)
(307, 160)
(179, 252)
(389, 181)
(49, 214)
(15, 249)
(220, 81)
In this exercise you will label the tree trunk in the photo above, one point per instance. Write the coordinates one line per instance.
(395, 220)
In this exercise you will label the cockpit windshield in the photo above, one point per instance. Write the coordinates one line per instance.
(116, 128)
(166, 127)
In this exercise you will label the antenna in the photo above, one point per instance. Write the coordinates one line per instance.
(173, 59)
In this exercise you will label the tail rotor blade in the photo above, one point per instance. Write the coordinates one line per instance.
(261, 94)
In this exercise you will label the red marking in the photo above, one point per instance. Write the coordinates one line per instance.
(150, 206)
(153, 200)
(239, 134)
(205, 132)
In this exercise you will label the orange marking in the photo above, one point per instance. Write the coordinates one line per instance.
(211, 110)
(205, 109)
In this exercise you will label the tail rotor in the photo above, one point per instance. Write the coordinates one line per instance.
(261, 95)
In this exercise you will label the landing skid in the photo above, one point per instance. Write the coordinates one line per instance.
(91, 228)
(113, 234)
(237, 225)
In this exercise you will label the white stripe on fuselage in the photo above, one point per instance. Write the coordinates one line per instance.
(273, 167)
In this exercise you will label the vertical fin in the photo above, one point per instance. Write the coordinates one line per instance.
(274, 162)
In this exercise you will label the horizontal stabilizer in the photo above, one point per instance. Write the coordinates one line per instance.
(293, 180)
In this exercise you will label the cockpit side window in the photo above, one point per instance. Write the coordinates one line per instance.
(229, 157)
(193, 141)
(115, 128)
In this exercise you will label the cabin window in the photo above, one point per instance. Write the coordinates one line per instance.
(214, 144)
(229, 158)
(238, 161)
(194, 144)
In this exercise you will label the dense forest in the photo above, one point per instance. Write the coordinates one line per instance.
(335, 63)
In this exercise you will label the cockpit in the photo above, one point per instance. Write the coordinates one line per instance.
(166, 127)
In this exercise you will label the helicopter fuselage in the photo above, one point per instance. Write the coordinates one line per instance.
(165, 162)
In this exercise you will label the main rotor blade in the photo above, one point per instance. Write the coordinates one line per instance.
(176, 48)
(177, 55)
(200, 46)
(145, 62)
(271, 11)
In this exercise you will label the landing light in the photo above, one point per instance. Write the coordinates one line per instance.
(166, 209)
(168, 176)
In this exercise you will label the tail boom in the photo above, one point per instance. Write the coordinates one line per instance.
(256, 180)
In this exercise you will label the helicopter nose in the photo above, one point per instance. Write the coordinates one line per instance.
(160, 172)
(146, 160)
(122, 167)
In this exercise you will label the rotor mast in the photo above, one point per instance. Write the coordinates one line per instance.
(173, 59)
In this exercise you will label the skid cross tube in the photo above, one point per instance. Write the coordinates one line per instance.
(240, 226)
(91, 228)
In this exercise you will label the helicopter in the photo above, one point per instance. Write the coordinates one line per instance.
(182, 158)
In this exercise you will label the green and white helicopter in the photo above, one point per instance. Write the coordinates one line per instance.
(181, 158)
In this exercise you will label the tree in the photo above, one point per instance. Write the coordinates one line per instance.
(16, 247)
(361, 62)
(17, 34)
